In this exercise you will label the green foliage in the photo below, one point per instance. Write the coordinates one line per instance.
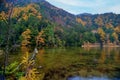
(28, 68)
(49, 35)
(12, 68)
(89, 37)
(12, 71)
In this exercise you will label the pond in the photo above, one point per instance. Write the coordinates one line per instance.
(76, 63)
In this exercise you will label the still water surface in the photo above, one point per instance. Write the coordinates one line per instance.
(76, 63)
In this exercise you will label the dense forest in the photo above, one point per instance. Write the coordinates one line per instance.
(37, 23)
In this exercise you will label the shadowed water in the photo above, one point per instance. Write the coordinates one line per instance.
(88, 78)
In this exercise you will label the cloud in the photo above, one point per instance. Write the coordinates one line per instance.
(88, 6)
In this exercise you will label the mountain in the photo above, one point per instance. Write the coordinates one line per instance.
(63, 18)
(98, 20)
(50, 12)
(57, 15)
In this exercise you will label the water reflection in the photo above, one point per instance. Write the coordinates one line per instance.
(24, 49)
(60, 63)
(82, 62)
(102, 57)
(40, 56)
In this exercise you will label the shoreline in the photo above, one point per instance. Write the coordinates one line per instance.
(98, 45)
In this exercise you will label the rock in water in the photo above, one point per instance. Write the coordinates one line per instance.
(1, 52)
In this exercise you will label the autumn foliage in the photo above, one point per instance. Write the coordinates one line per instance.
(102, 34)
(22, 12)
(26, 37)
(28, 68)
(81, 21)
(40, 39)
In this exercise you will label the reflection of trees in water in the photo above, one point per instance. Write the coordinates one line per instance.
(87, 48)
(39, 57)
(24, 49)
(109, 54)
(102, 57)
(117, 56)
(54, 60)
(113, 53)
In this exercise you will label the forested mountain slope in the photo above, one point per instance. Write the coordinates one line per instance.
(98, 20)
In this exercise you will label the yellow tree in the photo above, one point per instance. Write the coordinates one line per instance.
(81, 21)
(102, 58)
(40, 39)
(26, 37)
(117, 29)
(109, 26)
(99, 21)
(115, 35)
(28, 68)
(27, 12)
(102, 34)
(15, 12)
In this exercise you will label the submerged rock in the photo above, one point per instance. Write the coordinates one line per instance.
(1, 52)
(40, 67)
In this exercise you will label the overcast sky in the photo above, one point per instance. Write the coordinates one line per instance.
(88, 6)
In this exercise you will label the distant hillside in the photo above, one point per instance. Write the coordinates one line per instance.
(99, 20)
(57, 15)
(63, 18)
(50, 12)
